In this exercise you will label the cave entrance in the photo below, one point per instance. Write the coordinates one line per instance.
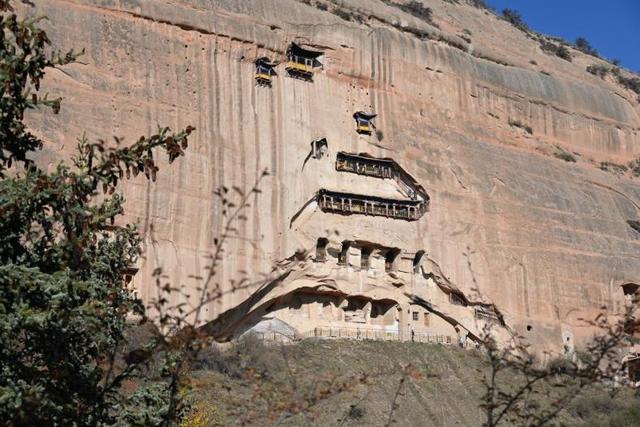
(319, 148)
(321, 249)
(391, 260)
(631, 294)
(355, 310)
(365, 257)
(417, 261)
(343, 257)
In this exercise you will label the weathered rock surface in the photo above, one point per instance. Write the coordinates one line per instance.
(546, 240)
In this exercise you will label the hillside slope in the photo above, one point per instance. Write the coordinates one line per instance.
(259, 385)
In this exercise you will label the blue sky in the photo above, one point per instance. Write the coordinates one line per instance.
(611, 26)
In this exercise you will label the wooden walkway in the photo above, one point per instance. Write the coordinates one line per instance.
(347, 203)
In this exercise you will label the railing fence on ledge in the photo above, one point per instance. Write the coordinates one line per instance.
(378, 335)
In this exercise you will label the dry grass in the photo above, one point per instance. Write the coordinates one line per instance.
(444, 386)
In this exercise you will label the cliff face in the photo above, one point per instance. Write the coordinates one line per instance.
(510, 223)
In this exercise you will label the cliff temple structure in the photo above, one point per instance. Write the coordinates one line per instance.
(491, 187)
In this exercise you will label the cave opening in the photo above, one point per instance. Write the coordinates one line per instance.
(417, 261)
(344, 253)
(391, 260)
(365, 257)
(321, 249)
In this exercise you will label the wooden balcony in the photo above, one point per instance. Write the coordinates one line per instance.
(264, 71)
(263, 79)
(364, 128)
(300, 68)
(381, 168)
(346, 203)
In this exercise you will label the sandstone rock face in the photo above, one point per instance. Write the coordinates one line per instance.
(545, 240)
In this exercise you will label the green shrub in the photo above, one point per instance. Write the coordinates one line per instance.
(65, 309)
(342, 14)
(554, 49)
(548, 47)
(564, 53)
(247, 352)
(519, 124)
(515, 19)
(629, 417)
(479, 3)
(567, 157)
(585, 47)
(635, 167)
(560, 365)
(416, 9)
(584, 357)
(631, 83)
(613, 167)
(598, 407)
(598, 70)
(592, 406)
(356, 412)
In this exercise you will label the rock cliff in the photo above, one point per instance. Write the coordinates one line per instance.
(508, 142)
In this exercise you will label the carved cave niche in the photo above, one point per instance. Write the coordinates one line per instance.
(365, 257)
(383, 313)
(356, 309)
(391, 259)
(417, 261)
(319, 148)
(630, 292)
(321, 249)
(343, 257)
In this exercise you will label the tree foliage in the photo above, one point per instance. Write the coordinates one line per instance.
(584, 46)
(560, 51)
(520, 390)
(514, 18)
(64, 307)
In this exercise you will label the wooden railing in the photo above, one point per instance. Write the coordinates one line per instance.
(362, 333)
(487, 314)
(369, 205)
(363, 166)
(381, 168)
(299, 64)
(378, 335)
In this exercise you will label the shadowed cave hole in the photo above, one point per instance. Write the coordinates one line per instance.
(365, 257)
(390, 260)
(634, 224)
(417, 261)
(342, 258)
(321, 249)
